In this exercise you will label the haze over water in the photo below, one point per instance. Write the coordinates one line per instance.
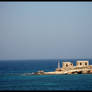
(44, 30)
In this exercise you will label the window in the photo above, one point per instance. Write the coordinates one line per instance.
(86, 63)
(66, 65)
(80, 63)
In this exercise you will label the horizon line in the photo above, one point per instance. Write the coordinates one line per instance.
(41, 59)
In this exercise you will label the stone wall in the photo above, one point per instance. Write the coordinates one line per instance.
(67, 65)
(82, 63)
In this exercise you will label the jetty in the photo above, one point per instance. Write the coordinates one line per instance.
(82, 67)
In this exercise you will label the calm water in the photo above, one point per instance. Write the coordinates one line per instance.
(12, 78)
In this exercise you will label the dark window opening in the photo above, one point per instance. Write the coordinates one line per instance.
(85, 63)
(80, 63)
(66, 65)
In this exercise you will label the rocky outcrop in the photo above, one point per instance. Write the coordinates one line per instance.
(82, 67)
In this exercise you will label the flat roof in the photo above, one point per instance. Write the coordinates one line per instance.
(82, 60)
(67, 62)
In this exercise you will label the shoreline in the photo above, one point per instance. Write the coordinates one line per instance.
(82, 67)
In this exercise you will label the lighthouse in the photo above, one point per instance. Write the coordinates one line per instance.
(58, 69)
(58, 64)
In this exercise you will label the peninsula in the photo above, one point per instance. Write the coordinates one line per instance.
(82, 67)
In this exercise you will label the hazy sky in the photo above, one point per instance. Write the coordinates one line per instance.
(44, 30)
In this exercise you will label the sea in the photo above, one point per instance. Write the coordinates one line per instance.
(12, 76)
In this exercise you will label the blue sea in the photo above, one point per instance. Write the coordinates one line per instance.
(12, 78)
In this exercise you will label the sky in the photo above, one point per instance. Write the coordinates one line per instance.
(45, 30)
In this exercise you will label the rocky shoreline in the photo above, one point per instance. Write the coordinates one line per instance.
(82, 67)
